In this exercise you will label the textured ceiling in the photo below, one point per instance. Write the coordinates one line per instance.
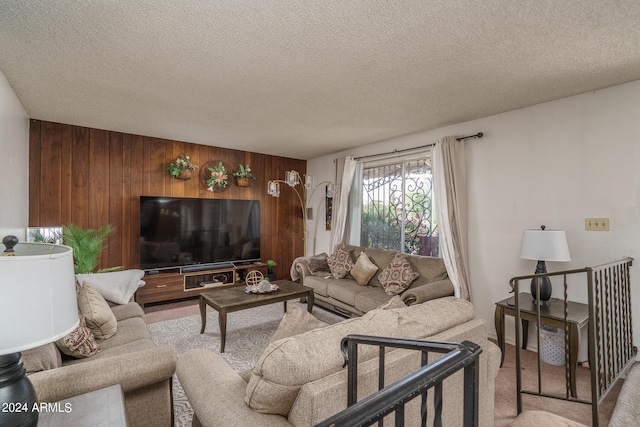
(306, 78)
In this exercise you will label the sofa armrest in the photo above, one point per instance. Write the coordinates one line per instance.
(132, 371)
(302, 271)
(216, 392)
(306, 265)
(429, 291)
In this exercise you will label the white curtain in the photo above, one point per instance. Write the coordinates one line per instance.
(344, 177)
(353, 228)
(450, 188)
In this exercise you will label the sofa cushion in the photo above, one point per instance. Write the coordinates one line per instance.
(132, 329)
(374, 298)
(289, 363)
(294, 322)
(363, 270)
(430, 269)
(381, 258)
(116, 351)
(347, 291)
(397, 276)
(127, 311)
(80, 342)
(97, 313)
(340, 262)
(320, 284)
(41, 358)
(115, 286)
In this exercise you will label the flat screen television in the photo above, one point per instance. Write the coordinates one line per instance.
(180, 232)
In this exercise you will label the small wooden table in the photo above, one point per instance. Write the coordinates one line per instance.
(233, 298)
(551, 315)
(103, 407)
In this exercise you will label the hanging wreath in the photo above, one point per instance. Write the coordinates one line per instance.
(218, 177)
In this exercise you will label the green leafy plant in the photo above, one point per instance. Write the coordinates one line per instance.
(219, 177)
(87, 244)
(243, 172)
(271, 263)
(182, 163)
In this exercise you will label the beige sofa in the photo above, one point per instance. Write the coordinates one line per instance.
(347, 297)
(299, 380)
(129, 358)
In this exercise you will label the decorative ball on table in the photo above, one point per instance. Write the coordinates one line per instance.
(254, 278)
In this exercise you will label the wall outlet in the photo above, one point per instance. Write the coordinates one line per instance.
(596, 224)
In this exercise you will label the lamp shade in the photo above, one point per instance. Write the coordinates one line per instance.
(545, 245)
(37, 296)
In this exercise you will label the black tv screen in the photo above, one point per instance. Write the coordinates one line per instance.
(176, 231)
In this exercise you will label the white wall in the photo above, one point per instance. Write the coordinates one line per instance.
(553, 164)
(14, 152)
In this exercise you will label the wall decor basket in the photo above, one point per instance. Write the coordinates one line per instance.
(243, 182)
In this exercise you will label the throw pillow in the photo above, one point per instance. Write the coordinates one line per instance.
(318, 263)
(397, 276)
(340, 263)
(80, 343)
(296, 321)
(115, 286)
(381, 258)
(97, 313)
(41, 358)
(395, 302)
(363, 270)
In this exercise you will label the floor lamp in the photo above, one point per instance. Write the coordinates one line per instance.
(293, 179)
(37, 306)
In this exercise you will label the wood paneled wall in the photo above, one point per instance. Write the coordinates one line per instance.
(93, 177)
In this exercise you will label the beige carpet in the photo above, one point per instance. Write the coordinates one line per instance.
(553, 381)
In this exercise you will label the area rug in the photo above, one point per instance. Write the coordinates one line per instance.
(248, 332)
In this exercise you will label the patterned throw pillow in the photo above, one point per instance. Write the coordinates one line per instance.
(363, 270)
(340, 263)
(397, 276)
(80, 342)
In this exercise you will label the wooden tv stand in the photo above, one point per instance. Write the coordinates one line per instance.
(175, 284)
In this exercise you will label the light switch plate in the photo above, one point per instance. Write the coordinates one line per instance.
(596, 224)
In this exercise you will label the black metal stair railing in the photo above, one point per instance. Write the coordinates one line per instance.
(394, 397)
(610, 334)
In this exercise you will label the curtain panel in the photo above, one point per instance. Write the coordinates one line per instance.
(450, 185)
(345, 171)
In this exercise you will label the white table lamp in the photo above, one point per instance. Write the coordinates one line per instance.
(37, 306)
(544, 245)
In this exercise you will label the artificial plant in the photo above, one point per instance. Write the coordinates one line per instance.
(87, 244)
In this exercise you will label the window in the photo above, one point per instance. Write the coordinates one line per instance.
(395, 206)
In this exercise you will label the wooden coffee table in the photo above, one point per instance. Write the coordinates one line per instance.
(233, 298)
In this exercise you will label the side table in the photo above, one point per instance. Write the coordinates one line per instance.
(551, 315)
(103, 407)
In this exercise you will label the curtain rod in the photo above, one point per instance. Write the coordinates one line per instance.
(462, 138)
